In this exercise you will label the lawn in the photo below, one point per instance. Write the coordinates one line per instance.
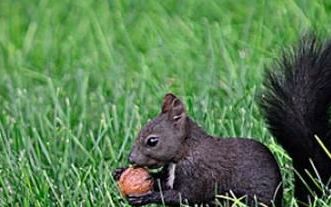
(79, 78)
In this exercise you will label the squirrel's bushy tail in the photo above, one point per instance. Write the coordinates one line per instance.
(296, 104)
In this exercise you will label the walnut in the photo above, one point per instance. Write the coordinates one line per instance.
(135, 182)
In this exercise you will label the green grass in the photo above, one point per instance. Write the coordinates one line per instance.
(78, 79)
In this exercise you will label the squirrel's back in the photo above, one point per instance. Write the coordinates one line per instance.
(296, 103)
(243, 166)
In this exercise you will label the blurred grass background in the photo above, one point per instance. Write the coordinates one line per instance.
(78, 79)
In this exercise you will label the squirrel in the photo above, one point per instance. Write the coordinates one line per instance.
(197, 166)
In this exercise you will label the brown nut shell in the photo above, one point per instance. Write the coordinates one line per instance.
(135, 182)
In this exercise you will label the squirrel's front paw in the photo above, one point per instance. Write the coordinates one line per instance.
(140, 200)
(118, 172)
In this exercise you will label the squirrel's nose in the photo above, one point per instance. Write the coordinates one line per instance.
(131, 161)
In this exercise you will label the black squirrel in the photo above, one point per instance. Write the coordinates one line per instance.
(197, 166)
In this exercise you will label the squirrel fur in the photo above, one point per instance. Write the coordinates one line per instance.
(198, 166)
(296, 102)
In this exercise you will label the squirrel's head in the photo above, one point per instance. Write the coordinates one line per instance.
(161, 139)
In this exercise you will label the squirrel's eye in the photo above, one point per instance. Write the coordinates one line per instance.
(152, 141)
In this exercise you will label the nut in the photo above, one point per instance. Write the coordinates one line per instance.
(135, 182)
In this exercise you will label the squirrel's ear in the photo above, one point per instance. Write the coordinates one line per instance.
(168, 99)
(173, 106)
